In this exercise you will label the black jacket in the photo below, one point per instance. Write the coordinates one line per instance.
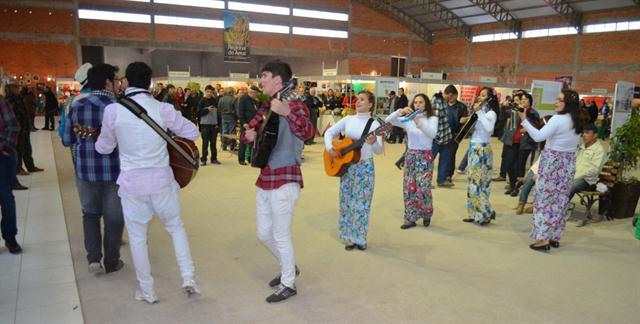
(246, 108)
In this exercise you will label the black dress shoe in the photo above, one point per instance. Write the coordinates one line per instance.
(361, 247)
(203, 162)
(118, 266)
(281, 294)
(515, 192)
(468, 220)
(276, 281)
(493, 215)
(542, 248)
(554, 244)
(426, 222)
(408, 225)
(19, 187)
(13, 246)
(242, 163)
(350, 247)
(485, 222)
(508, 192)
(215, 162)
(398, 165)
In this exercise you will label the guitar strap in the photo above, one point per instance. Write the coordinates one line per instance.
(141, 113)
(366, 128)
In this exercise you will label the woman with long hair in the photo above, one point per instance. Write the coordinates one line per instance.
(556, 170)
(418, 171)
(356, 185)
(480, 159)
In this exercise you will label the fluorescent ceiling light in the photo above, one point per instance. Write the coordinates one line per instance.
(184, 21)
(278, 29)
(113, 16)
(562, 31)
(320, 32)
(482, 38)
(241, 6)
(320, 14)
(218, 4)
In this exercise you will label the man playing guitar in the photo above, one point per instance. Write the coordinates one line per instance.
(280, 181)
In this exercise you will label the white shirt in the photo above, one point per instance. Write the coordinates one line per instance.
(484, 127)
(420, 137)
(558, 132)
(352, 127)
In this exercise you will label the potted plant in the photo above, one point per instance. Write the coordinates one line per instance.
(625, 149)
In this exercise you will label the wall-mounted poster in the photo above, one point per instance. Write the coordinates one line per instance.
(545, 93)
(622, 104)
(236, 37)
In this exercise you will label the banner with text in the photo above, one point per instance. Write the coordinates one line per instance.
(236, 37)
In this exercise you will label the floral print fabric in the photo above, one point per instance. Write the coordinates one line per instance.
(551, 198)
(479, 182)
(418, 172)
(356, 193)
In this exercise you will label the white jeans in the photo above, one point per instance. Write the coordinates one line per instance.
(274, 215)
(138, 212)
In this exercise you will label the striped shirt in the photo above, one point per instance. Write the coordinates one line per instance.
(87, 113)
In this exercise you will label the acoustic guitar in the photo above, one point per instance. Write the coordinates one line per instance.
(348, 151)
(267, 133)
(466, 128)
(184, 170)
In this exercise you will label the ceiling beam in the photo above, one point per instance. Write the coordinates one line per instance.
(565, 10)
(500, 14)
(407, 20)
(445, 15)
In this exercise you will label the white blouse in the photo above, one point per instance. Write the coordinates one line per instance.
(352, 127)
(420, 137)
(558, 132)
(484, 127)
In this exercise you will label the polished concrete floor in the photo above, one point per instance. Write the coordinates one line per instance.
(451, 272)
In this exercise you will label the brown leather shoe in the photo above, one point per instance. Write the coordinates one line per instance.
(498, 178)
(36, 169)
(520, 208)
(22, 172)
(20, 187)
(529, 210)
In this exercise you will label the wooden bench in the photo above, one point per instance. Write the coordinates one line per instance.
(609, 175)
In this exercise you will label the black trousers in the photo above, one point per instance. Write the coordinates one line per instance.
(397, 134)
(503, 165)
(453, 148)
(518, 167)
(510, 154)
(25, 152)
(209, 137)
(49, 120)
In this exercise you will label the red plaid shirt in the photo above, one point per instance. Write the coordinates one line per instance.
(301, 127)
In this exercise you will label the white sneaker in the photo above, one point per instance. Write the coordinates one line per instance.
(95, 267)
(150, 298)
(189, 286)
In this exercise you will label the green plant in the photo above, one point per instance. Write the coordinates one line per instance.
(625, 145)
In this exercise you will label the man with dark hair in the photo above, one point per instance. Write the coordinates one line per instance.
(209, 125)
(147, 184)
(313, 103)
(170, 95)
(280, 180)
(50, 108)
(247, 107)
(589, 160)
(9, 129)
(442, 142)
(401, 102)
(457, 116)
(96, 174)
(226, 104)
(24, 149)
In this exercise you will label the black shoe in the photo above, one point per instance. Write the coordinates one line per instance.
(515, 192)
(542, 248)
(361, 247)
(408, 225)
(215, 162)
(493, 215)
(281, 294)
(468, 220)
(224, 148)
(116, 268)
(349, 246)
(508, 192)
(203, 162)
(399, 165)
(485, 222)
(19, 187)
(276, 281)
(13, 246)
(242, 163)
(446, 184)
(426, 222)
(554, 244)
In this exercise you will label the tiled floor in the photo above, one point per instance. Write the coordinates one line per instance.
(39, 286)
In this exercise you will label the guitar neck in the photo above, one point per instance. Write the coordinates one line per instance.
(360, 142)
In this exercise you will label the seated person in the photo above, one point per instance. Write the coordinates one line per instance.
(528, 183)
(589, 161)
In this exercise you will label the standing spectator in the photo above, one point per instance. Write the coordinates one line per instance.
(24, 149)
(226, 106)
(557, 169)
(349, 103)
(96, 174)
(159, 92)
(29, 99)
(392, 106)
(441, 141)
(519, 142)
(209, 125)
(170, 96)
(457, 116)
(314, 104)
(187, 106)
(330, 100)
(247, 107)
(50, 108)
(9, 129)
(592, 110)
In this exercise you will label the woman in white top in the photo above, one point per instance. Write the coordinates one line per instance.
(356, 185)
(418, 171)
(480, 159)
(556, 170)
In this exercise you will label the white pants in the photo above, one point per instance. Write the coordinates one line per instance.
(138, 212)
(274, 215)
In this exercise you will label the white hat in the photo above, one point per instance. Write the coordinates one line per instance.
(81, 74)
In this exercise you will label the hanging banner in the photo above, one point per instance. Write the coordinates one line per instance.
(236, 37)
(386, 85)
(545, 93)
(622, 104)
(468, 94)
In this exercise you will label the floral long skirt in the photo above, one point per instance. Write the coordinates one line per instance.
(418, 172)
(479, 182)
(356, 193)
(552, 194)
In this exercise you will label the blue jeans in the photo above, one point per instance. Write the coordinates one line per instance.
(101, 199)
(527, 186)
(228, 128)
(443, 162)
(464, 162)
(7, 200)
